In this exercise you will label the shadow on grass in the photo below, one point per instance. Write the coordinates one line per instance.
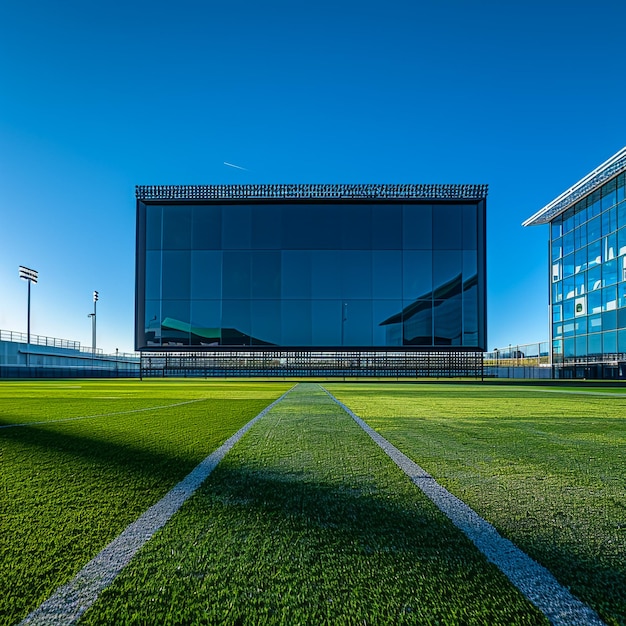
(65, 495)
(257, 545)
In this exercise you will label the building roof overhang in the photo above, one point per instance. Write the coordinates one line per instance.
(310, 192)
(609, 169)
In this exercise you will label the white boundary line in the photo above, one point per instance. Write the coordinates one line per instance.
(87, 417)
(535, 582)
(71, 600)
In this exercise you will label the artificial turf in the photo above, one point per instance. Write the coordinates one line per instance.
(69, 487)
(307, 521)
(546, 466)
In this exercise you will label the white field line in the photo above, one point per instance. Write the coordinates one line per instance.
(70, 601)
(534, 581)
(88, 417)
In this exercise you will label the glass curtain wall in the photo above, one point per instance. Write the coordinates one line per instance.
(313, 274)
(588, 276)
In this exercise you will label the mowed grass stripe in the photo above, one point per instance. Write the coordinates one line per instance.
(68, 489)
(111, 414)
(307, 521)
(534, 581)
(70, 601)
(546, 470)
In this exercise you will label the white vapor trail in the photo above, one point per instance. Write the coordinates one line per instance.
(238, 167)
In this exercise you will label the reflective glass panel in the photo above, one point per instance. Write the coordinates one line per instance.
(176, 228)
(295, 276)
(154, 217)
(206, 228)
(356, 275)
(325, 274)
(470, 228)
(609, 273)
(621, 340)
(206, 274)
(176, 279)
(594, 229)
(387, 227)
(447, 227)
(153, 274)
(175, 325)
(265, 274)
(609, 342)
(266, 227)
(417, 227)
(236, 322)
(594, 343)
(327, 322)
(296, 322)
(236, 274)
(152, 322)
(447, 316)
(417, 323)
(417, 273)
(358, 323)
(387, 275)
(236, 227)
(266, 322)
(387, 322)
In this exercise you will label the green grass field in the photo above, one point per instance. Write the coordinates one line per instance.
(306, 520)
(546, 466)
(67, 488)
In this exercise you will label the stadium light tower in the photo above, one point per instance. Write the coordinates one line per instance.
(30, 276)
(93, 323)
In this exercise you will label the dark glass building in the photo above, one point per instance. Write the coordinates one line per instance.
(310, 268)
(587, 273)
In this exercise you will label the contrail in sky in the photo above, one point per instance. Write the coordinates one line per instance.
(238, 167)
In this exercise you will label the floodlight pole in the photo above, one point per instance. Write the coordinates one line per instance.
(93, 323)
(29, 276)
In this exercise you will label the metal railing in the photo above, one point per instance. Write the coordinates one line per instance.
(520, 355)
(66, 344)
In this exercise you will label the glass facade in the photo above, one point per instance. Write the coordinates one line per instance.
(588, 277)
(333, 273)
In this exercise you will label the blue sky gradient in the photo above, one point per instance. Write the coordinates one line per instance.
(97, 98)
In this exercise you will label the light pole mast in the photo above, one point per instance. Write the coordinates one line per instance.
(30, 276)
(93, 323)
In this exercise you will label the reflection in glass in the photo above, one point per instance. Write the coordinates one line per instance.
(417, 325)
(448, 318)
(417, 273)
(175, 326)
(309, 274)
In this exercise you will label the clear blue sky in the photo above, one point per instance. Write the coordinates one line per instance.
(96, 98)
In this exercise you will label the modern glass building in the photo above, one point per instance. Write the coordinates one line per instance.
(588, 273)
(280, 270)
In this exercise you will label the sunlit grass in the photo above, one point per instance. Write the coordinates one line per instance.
(68, 488)
(306, 521)
(546, 467)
